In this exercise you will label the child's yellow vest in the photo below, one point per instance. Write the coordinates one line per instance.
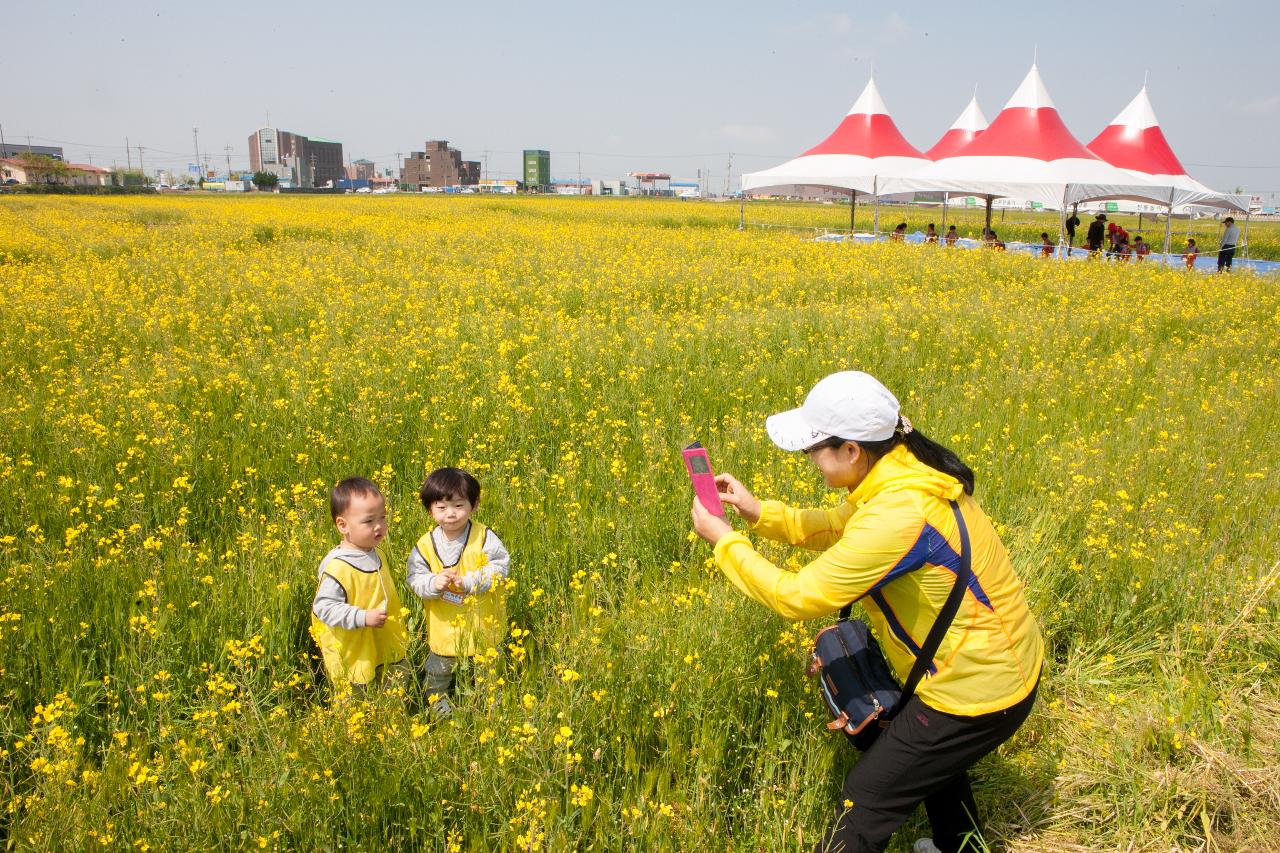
(354, 655)
(479, 621)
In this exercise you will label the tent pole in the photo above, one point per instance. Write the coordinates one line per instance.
(987, 232)
(875, 216)
(853, 207)
(1168, 227)
(742, 203)
(945, 198)
(1245, 240)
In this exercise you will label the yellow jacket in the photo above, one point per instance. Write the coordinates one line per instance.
(464, 625)
(894, 545)
(354, 655)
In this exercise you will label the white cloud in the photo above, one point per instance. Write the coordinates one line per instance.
(752, 133)
(1266, 106)
(896, 28)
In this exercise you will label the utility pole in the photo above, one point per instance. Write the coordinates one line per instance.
(4, 149)
(579, 172)
(128, 154)
(141, 168)
(312, 176)
(195, 134)
(399, 168)
(227, 150)
(727, 171)
(486, 164)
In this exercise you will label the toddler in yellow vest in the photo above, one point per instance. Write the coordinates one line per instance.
(355, 615)
(458, 568)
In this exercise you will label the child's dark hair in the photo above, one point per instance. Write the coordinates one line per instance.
(444, 483)
(921, 446)
(340, 495)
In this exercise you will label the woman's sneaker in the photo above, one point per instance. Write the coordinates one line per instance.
(926, 845)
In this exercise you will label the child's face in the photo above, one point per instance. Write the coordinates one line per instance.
(364, 522)
(452, 513)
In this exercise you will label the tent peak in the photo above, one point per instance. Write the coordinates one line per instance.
(1139, 114)
(972, 118)
(1032, 93)
(869, 102)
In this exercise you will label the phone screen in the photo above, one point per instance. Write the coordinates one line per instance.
(698, 464)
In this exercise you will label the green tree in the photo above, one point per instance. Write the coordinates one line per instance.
(43, 169)
(265, 180)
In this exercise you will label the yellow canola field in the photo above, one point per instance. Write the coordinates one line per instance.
(185, 377)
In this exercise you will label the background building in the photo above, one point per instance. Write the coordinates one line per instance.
(304, 161)
(12, 149)
(439, 166)
(537, 170)
(362, 170)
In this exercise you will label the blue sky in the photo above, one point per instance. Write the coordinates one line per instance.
(659, 86)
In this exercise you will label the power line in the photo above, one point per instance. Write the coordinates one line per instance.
(1227, 166)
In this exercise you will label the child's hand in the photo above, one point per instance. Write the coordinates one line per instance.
(442, 580)
(375, 618)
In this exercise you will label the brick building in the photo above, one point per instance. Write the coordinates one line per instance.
(439, 166)
(310, 160)
(362, 170)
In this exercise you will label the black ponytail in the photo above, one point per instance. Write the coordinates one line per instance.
(923, 448)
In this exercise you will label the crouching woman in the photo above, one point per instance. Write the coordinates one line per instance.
(894, 544)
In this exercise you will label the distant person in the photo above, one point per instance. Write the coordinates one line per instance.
(1140, 248)
(1113, 239)
(1230, 238)
(1122, 252)
(356, 618)
(1046, 248)
(1073, 222)
(1097, 231)
(952, 236)
(1190, 252)
(931, 236)
(899, 233)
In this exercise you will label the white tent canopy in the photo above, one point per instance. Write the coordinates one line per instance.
(1028, 153)
(859, 155)
(1134, 142)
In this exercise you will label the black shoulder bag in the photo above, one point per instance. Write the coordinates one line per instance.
(857, 683)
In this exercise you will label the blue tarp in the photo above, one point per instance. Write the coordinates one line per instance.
(1207, 261)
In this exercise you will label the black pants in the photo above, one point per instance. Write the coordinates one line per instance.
(1225, 256)
(922, 757)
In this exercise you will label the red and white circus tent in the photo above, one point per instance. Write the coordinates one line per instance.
(1134, 142)
(864, 150)
(966, 128)
(1027, 152)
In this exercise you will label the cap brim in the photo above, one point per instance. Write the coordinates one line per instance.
(790, 431)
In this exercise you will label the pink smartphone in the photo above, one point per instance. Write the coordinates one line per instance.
(703, 479)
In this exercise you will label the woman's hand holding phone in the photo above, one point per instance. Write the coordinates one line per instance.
(736, 495)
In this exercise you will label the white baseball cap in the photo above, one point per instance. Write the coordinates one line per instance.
(851, 404)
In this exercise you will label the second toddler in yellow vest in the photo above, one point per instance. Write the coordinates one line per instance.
(458, 568)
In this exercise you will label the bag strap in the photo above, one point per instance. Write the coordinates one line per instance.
(945, 616)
